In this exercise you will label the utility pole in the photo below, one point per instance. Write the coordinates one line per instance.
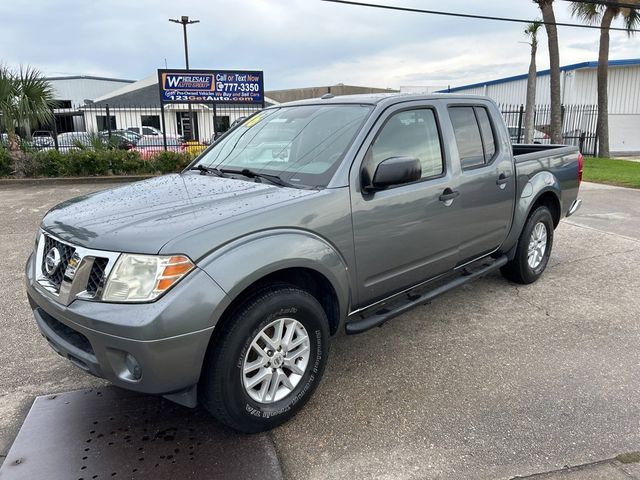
(184, 21)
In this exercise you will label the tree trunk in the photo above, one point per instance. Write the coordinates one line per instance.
(602, 128)
(554, 60)
(530, 107)
(16, 154)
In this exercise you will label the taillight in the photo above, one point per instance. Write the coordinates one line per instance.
(580, 167)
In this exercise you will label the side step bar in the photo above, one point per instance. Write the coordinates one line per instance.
(383, 315)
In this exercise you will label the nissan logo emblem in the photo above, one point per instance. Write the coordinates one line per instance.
(52, 261)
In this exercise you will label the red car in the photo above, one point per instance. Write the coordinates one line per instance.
(149, 146)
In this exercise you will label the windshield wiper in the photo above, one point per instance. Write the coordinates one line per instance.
(276, 180)
(205, 170)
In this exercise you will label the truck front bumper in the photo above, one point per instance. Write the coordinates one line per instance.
(155, 348)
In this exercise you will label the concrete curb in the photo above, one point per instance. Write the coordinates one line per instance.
(72, 180)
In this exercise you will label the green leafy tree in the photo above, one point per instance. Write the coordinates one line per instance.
(530, 109)
(26, 99)
(604, 15)
(549, 19)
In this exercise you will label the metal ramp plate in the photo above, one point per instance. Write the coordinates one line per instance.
(109, 433)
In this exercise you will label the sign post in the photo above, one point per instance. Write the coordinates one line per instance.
(216, 87)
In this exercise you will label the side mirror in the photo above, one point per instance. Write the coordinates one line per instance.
(393, 171)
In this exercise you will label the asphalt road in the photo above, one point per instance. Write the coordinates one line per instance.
(493, 380)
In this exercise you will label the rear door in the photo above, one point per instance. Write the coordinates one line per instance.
(403, 235)
(487, 179)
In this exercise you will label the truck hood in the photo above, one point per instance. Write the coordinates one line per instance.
(141, 217)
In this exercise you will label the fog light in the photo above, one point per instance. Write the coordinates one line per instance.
(133, 366)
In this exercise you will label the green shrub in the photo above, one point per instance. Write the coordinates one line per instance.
(168, 162)
(5, 162)
(92, 162)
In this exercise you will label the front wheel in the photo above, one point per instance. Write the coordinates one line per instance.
(267, 361)
(533, 250)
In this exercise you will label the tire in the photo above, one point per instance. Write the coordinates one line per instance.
(225, 387)
(520, 270)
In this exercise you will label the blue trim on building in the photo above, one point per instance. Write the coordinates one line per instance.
(566, 68)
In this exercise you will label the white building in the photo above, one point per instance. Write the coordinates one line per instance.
(138, 104)
(579, 87)
(71, 92)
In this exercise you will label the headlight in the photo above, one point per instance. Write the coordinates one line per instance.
(142, 278)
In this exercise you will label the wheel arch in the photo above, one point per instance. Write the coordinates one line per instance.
(543, 189)
(302, 259)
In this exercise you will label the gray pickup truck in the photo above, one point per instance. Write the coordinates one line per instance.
(223, 284)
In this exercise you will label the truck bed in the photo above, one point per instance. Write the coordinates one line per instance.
(523, 152)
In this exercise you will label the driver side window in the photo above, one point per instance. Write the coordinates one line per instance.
(411, 133)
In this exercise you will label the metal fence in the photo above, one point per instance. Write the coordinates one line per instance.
(192, 124)
(578, 125)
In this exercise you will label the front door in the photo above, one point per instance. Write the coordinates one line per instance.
(187, 125)
(403, 235)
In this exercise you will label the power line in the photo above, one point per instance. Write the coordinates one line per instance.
(476, 17)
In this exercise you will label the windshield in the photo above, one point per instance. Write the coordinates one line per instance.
(302, 145)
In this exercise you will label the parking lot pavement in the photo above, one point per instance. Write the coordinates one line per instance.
(492, 380)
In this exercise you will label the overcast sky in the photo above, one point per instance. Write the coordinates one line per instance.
(296, 42)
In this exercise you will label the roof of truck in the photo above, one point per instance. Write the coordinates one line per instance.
(376, 98)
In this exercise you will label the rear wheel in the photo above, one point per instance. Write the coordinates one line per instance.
(533, 250)
(267, 361)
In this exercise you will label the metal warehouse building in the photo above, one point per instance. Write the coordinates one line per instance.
(579, 87)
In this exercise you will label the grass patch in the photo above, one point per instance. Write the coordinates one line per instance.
(631, 457)
(611, 171)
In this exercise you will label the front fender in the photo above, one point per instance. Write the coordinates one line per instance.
(534, 188)
(246, 260)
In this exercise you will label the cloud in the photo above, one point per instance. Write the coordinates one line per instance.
(296, 42)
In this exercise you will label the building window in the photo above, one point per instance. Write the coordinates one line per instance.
(101, 122)
(150, 121)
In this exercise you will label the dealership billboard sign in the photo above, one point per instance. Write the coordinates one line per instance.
(211, 86)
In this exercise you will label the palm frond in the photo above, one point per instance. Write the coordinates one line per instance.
(589, 13)
(631, 17)
(35, 97)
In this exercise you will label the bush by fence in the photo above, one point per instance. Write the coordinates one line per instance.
(86, 163)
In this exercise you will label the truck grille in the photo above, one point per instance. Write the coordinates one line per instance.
(97, 276)
(66, 271)
(65, 253)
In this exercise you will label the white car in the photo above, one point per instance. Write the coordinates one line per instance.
(146, 131)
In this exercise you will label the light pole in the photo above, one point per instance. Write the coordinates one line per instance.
(184, 21)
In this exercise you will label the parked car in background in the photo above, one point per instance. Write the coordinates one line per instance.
(144, 130)
(42, 138)
(150, 146)
(538, 135)
(122, 139)
(74, 140)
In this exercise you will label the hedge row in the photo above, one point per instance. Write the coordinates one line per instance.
(85, 163)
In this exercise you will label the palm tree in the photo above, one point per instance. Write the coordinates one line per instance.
(593, 14)
(530, 109)
(26, 99)
(549, 19)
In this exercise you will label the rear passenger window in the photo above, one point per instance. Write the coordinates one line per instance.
(474, 135)
(412, 133)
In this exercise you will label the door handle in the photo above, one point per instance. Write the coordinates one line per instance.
(502, 179)
(448, 195)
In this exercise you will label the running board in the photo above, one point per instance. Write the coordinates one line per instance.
(383, 314)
